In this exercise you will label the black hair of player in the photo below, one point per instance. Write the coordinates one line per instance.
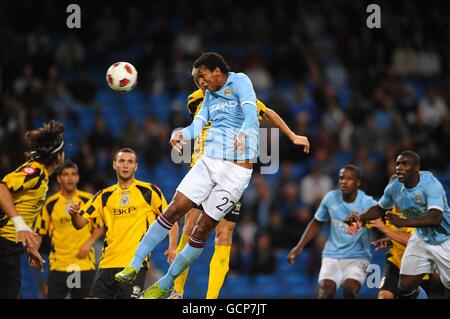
(211, 61)
(126, 150)
(67, 164)
(353, 168)
(44, 144)
(413, 156)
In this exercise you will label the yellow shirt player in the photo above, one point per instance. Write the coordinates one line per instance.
(224, 230)
(71, 249)
(397, 239)
(22, 194)
(126, 209)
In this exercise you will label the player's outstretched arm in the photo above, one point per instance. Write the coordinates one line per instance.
(355, 221)
(311, 231)
(432, 219)
(177, 141)
(398, 236)
(23, 232)
(281, 124)
(77, 221)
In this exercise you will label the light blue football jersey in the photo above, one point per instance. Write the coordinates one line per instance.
(231, 109)
(340, 244)
(414, 202)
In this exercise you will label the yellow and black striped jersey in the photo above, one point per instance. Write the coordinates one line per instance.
(127, 214)
(28, 185)
(194, 104)
(395, 253)
(54, 221)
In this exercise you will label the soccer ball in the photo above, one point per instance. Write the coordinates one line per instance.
(121, 77)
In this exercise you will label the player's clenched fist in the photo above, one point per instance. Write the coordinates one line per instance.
(177, 142)
(354, 223)
(74, 208)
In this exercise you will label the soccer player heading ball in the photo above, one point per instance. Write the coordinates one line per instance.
(219, 178)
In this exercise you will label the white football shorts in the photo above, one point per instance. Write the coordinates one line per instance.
(339, 270)
(420, 257)
(216, 184)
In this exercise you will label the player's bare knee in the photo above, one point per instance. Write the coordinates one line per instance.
(327, 289)
(175, 210)
(408, 283)
(224, 238)
(200, 232)
(188, 227)
(351, 288)
(224, 233)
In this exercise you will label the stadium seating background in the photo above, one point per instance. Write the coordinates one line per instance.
(361, 95)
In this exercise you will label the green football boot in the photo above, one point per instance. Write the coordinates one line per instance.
(127, 276)
(154, 292)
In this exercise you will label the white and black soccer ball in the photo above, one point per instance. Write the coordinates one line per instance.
(121, 77)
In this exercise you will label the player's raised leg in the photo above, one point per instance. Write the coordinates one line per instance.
(185, 258)
(156, 233)
(189, 222)
(193, 190)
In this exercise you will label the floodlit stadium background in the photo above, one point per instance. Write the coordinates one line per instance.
(360, 95)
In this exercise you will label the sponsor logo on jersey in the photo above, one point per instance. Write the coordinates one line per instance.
(125, 212)
(124, 199)
(418, 198)
(28, 170)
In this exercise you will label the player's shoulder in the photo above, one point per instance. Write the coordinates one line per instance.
(362, 193)
(238, 77)
(53, 197)
(30, 168)
(364, 196)
(109, 188)
(83, 194)
(427, 176)
(150, 186)
(394, 183)
(428, 179)
(142, 183)
(333, 195)
(195, 99)
(196, 95)
(106, 190)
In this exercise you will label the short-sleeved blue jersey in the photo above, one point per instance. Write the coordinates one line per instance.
(417, 201)
(340, 244)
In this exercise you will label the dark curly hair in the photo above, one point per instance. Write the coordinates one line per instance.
(45, 143)
(211, 61)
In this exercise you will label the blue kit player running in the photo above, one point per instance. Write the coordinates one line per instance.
(219, 178)
(421, 198)
(345, 258)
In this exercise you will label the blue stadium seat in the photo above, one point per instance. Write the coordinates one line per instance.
(237, 281)
(265, 280)
(160, 106)
(299, 170)
(106, 97)
(301, 291)
(295, 279)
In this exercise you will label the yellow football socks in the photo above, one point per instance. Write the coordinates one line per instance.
(218, 269)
